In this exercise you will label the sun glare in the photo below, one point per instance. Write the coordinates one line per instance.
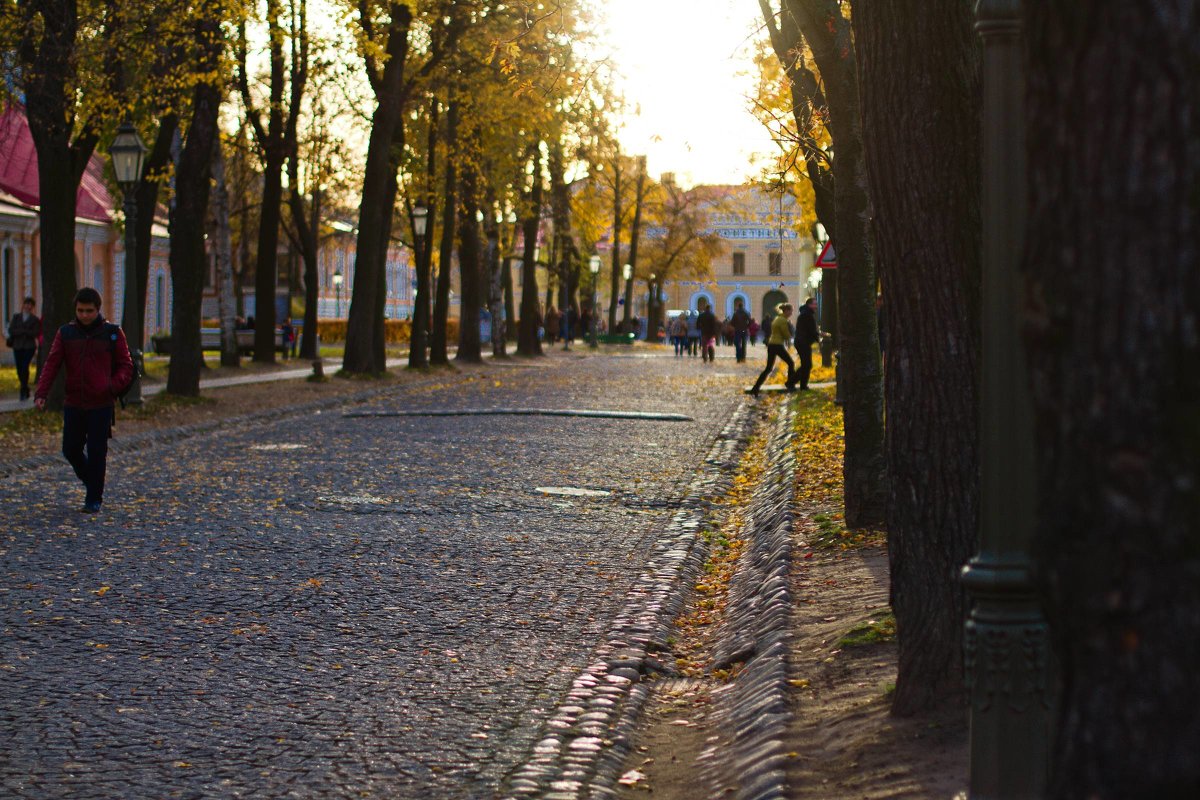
(686, 76)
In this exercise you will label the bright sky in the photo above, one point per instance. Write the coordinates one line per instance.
(687, 65)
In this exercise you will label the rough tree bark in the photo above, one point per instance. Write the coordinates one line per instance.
(189, 259)
(634, 233)
(617, 212)
(865, 468)
(222, 237)
(441, 308)
(271, 137)
(47, 52)
(923, 102)
(418, 355)
(528, 343)
(469, 256)
(1112, 260)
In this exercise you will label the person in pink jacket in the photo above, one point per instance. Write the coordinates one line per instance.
(99, 369)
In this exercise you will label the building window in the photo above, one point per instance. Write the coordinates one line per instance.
(775, 263)
(739, 263)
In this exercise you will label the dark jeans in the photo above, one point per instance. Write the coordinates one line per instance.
(775, 351)
(23, 357)
(90, 428)
(739, 345)
(805, 365)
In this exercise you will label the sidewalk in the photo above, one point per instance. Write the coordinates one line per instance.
(151, 389)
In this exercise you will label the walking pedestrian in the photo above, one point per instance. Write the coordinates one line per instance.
(287, 336)
(807, 334)
(679, 334)
(551, 325)
(752, 329)
(99, 370)
(24, 335)
(740, 322)
(777, 342)
(710, 328)
(693, 333)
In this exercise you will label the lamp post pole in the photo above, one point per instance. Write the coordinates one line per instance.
(337, 289)
(418, 338)
(128, 154)
(627, 274)
(594, 268)
(1006, 637)
(651, 310)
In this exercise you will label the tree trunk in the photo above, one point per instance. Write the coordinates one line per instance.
(924, 102)
(419, 344)
(1114, 187)
(528, 343)
(634, 233)
(441, 310)
(147, 202)
(47, 50)
(496, 293)
(222, 239)
(188, 257)
(616, 246)
(364, 325)
(309, 347)
(469, 265)
(828, 34)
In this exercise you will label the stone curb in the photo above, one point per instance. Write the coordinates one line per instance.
(749, 759)
(587, 739)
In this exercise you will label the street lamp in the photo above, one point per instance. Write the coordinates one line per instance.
(594, 268)
(420, 315)
(651, 310)
(128, 154)
(337, 287)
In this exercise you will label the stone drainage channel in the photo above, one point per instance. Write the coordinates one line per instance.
(587, 739)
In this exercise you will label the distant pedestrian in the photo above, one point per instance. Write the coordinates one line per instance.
(24, 335)
(552, 319)
(710, 328)
(807, 334)
(99, 370)
(287, 336)
(740, 322)
(777, 342)
(693, 333)
(752, 330)
(569, 316)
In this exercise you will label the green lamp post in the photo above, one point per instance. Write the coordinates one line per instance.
(1006, 638)
(128, 154)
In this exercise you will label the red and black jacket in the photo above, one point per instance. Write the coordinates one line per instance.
(99, 367)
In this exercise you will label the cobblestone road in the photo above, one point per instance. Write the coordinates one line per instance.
(334, 606)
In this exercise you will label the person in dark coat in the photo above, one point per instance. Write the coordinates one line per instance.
(741, 326)
(807, 334)
(24, 333)
(710, 328)
(99, 370)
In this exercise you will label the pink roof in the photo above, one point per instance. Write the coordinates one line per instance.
(19, 172)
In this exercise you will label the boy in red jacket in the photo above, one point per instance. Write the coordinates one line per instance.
(99, 369)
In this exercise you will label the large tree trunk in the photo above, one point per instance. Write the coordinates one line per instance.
(364, 326)
(418, 356)
(923, 102)
(469, 264)
(1112, 261)
(222, 239)
(309, 347)
(634, 233)
(441, 309)
(147, 203)
(617, 212)
(828, 34)
(188, 257)
(47, 49)
(528, 343)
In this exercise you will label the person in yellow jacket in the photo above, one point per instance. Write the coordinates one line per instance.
(777, 342)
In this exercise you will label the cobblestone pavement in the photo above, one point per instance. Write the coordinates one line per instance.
(321, 605)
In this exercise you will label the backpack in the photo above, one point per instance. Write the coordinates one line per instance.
(110, 333)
